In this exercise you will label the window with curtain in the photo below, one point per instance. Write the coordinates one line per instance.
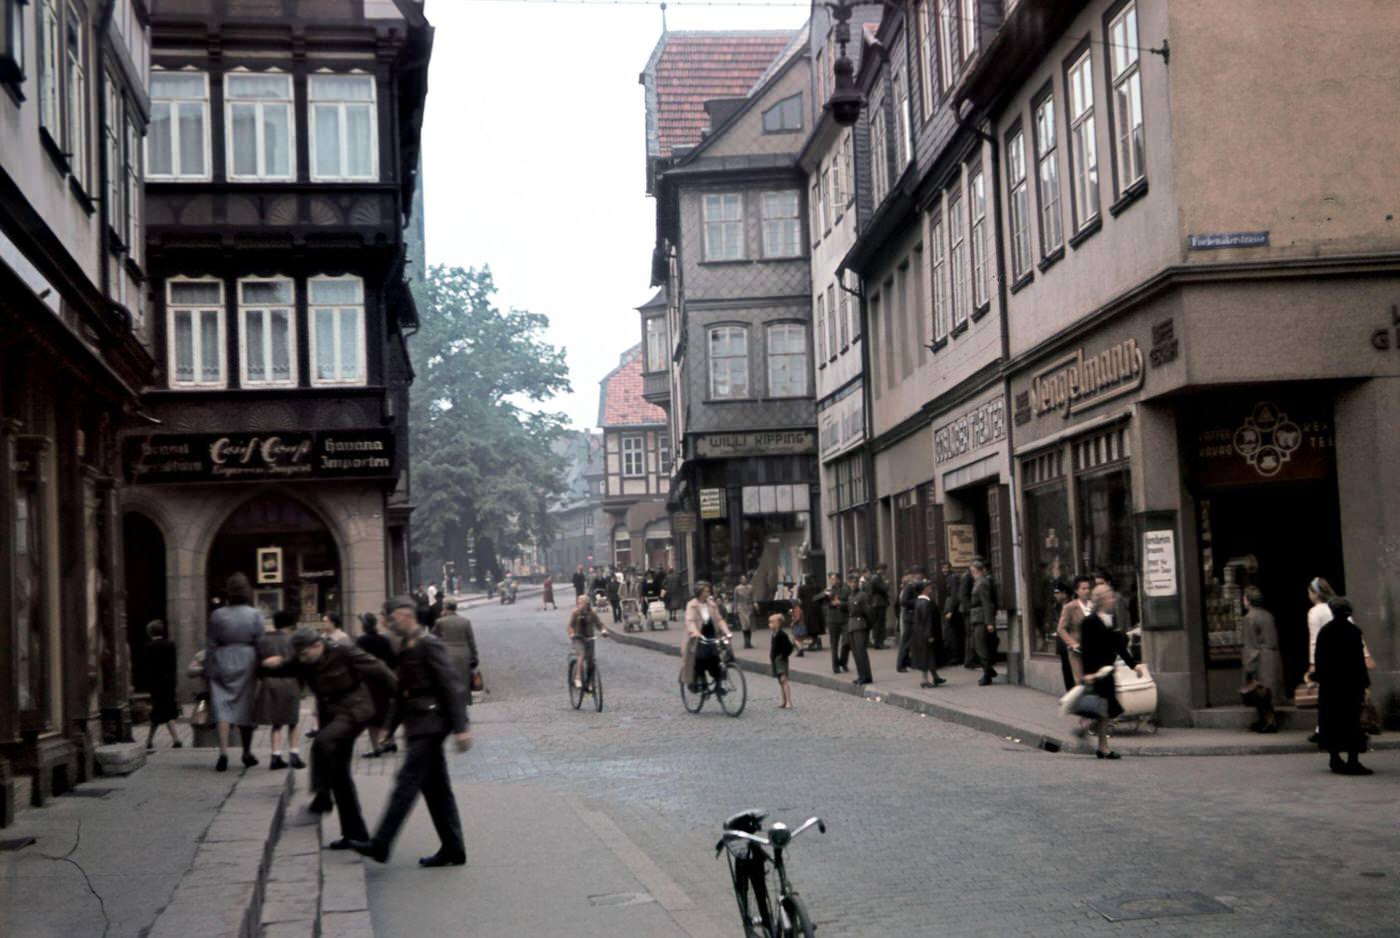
(957, 255)
(258, 113)
(782, 224)
(928, 53)
(977, 197)
(948, 28)
(821, 327)
(879, 165)
(76, 93)
(344, 127)
(177, 142)
(267, 332)
(50, 69)
(336, 308)
(113, 129)
(1127, 96)
(658, 348)
(634, 456)
(729, 362)
(1083, 146)
(968, 19)
(1047, 177)
(1018, 204)
(787, 360)
(939, 287)
(132, 172)
(723, 216)
(195, 333)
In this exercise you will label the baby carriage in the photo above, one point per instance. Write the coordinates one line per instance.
(656, 614)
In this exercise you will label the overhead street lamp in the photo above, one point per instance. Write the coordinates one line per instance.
(846, 99)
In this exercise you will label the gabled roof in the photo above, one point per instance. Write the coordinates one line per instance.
(620, 401)
(689, 68)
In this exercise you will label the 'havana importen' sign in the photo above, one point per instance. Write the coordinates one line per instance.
(979, 427)
(1078, 382)
(245, 457)
(756, 443)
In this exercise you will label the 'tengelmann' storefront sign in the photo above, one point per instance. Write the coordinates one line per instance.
(1078, 382)
(245, 457)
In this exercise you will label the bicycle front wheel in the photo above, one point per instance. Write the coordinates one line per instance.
(736, 691)
(693, 700)
(795, 921)
(575, 690)
(597, 689)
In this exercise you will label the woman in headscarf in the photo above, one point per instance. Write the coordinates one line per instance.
(1099, 646)
(1340, 671)
(231, 665)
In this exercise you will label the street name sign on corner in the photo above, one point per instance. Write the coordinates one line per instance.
(1232, 239)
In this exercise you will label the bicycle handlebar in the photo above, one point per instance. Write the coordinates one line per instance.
(711, 641)
(768, 841)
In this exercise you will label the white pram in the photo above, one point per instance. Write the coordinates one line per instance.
(1137, 695)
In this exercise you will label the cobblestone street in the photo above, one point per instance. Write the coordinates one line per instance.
(933, 828)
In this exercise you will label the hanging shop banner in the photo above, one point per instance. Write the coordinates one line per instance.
(1268, 438)
(255, 457)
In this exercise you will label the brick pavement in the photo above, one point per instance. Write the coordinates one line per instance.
(935, 828)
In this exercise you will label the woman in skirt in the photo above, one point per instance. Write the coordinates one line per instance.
(279, 697)
(162, 681)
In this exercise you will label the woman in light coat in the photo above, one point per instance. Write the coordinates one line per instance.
(703, 619)
(1263, 663)
(231, 665)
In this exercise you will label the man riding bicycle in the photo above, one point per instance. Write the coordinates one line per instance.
(584, 626)
(703, 620)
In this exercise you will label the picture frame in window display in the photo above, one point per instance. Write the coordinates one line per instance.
(310, 601)
(269, 565)
(268, 601)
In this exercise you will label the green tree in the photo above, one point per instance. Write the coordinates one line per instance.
(483, 466)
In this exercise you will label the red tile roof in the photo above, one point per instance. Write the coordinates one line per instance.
(620, 401)
(699, 67)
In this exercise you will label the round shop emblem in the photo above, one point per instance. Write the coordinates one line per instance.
(1267, 439)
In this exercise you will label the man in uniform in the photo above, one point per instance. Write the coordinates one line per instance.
(346, 680)
(982, 618)
(457, 635)
(908, 604)
(879, 605)
(836, 606)
(431, 704)
(858, 627)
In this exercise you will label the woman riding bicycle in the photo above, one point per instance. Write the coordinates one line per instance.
(583, 626)
(703, 619)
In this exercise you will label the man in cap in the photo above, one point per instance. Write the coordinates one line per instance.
(431, 704)
(346, 680)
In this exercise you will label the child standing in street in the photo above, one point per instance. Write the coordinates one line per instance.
(778, 653)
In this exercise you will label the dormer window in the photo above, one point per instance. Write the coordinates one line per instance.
(261, 134)
(784, 117)
(344, 128)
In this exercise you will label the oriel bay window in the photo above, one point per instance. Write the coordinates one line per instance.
(787, 359)
(177, 142)
(729, 362)
(658, 347)
(1127, 96)
(724, 226)
(260, 129)
(344, 128)
(267, 332)
(195, 347)
(1083, 146)
(336, 306)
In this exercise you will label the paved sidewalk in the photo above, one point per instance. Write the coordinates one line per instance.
(1015, 712)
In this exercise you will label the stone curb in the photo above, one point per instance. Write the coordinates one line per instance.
(1028, 736)
(313, 893)
(221, 895)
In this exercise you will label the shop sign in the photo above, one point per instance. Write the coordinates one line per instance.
(1234, 239)
(711, 504)
(979, 427)
(682, 522)
(1159, 563)
(245, 457)
(756, 443)
(1078, 381)
(1272, 442)
(962, 544)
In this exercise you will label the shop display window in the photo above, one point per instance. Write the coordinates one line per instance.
(1051, 549)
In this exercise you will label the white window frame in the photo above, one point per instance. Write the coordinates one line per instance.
(260, 107)
(113, 131)
(782, 233)
(842, 327)
(783, 109)
(132, 171)
(787, 329)
(828, 215)
(948, 30)
(634, 456)
(968, 39)
(1018, 204)
(1130, 145)
(265, 311)
(342, 107)
(879, 157)
(658, 345)
(903, 121)
(958, 268)
(821, 326)
(729, 331)
(849, 158)
(312, 308)
(177, 173)
(195, 311)
(928, 54)
(50, 42)
(12, 42)
(1083, 144)
(942, 324)
(1048, 190)
(719, 204)
(852, 309)
(76, 95)
(977, 205)
(814, 200)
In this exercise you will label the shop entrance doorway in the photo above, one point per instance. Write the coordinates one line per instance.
(287, 553)
(143, 552)
(969, 507)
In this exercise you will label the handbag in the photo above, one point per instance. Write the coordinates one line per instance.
(1090, 705)
(478, 684)
(1254, 694)
(1306, 695)
(196, 668)
(200, 715)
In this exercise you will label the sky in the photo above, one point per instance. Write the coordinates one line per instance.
(534, 161)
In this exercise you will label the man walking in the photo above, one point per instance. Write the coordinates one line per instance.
(908, 595)
(982, 616)
(580, 581)
(948, 608)
(460, 641)
(346, 680)
(879, 605)
(743, 608)
(836, 610)
(431, 703)
(858, 628)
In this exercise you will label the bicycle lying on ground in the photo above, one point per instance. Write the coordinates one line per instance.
(591, 684)
(731, 689)
(784, 916)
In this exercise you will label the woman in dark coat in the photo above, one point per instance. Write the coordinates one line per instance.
(1099, 647)
(231, 665)
(923, 639)
(1340, 672)
(279, 694)
(161, 681)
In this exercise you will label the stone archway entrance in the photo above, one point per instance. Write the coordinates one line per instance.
(285, 550)
(143, 553)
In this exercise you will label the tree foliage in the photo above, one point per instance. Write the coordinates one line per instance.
(483, 463)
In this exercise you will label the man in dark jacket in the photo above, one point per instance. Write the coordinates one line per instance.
(982, 619)
(346, 681)
(460, 640)
(858, 627)
(675, 594)
(836, 609)
(580, 581)
(908, 597)
(952, 617)
(879, 592)
(378, 644)
(431, 704)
